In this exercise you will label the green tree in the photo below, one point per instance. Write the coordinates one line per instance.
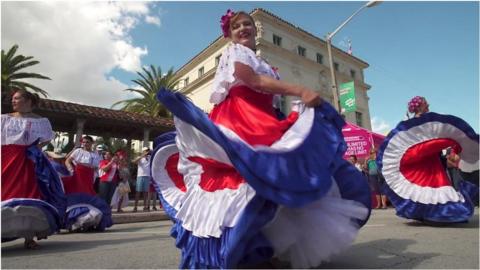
(11, 72)
(150, 82)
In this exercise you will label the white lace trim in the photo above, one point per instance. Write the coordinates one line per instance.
(224, 76)
(24, 130)
(403, 140)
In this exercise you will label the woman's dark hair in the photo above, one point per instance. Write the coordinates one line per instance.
(86, 137)
(33, 97)
(106, 152)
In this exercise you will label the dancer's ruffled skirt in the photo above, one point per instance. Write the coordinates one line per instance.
(85, 211)
(243, 186)
(33, 202)
(416, 181)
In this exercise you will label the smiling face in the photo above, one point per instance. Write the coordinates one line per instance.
(87, 144)
(243, 30)
(20, 103)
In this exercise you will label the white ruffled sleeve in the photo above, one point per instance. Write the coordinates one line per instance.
(224, 78)
(25, 131)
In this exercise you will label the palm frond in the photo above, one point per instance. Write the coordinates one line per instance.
(25, 75)
(24, 85)
(11, 64)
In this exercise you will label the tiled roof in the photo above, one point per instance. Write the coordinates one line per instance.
(102, 113)
(97, 113)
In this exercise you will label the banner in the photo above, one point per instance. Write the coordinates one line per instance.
(347, 97)
(358, 145)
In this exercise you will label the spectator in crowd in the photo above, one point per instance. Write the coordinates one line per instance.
(353, 159)
(100, 151)
(108, 176)
(143, 178)
(120, 196)
(152, 198)
(375, 180)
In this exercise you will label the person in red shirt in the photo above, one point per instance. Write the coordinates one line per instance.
(108, 176)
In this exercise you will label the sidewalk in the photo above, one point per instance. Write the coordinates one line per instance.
(128, 216)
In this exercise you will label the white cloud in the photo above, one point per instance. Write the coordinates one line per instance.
(344, 43)
(153, 20)
(380, 126)
(77, 44)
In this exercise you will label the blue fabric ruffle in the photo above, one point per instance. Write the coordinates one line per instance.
(82, 198)
(447, 212)
(240, 245)
(48, 181)
(450, 212)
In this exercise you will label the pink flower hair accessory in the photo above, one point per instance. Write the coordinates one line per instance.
(225, 22)
(415, 103)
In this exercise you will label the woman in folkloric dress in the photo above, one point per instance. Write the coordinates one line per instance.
(33, 201)
(85, 210)
(416, 179)
(244, 186)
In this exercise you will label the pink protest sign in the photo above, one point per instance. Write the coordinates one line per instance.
(359, 140)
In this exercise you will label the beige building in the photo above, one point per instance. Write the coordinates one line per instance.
(300, 57)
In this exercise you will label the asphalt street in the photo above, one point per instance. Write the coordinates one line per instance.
(386, 242)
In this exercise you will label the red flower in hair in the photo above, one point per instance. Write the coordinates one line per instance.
(225, 22)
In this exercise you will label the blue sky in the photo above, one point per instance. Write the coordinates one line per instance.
(413, 48)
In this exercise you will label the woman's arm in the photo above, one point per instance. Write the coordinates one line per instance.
(69, 163)
(107, 167)
(265, 83)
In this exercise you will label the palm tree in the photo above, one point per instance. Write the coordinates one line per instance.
(11, 65)
(150, 82)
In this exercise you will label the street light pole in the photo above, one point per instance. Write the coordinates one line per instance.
(336, 100)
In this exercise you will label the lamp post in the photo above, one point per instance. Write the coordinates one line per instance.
(336, 100)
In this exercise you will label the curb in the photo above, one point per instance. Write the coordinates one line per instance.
(120, 218)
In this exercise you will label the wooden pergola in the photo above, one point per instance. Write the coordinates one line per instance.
(77, 119)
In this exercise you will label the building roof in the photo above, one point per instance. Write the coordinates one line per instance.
(305, 32)
(102, 113)
(99, 121)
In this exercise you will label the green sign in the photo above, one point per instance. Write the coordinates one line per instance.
(347, 97)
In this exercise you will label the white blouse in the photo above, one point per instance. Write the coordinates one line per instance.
(80, 156)
(25, 130)
(224, 78)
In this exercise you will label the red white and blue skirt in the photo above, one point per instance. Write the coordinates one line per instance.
(85, 211)
(33, 201)
(416, 181)
(243, 186)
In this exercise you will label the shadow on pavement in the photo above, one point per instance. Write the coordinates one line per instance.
(379, 254)
(472, 223)
(60, 246)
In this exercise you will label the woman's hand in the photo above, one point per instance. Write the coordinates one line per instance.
(69, 168)
(310, 98)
